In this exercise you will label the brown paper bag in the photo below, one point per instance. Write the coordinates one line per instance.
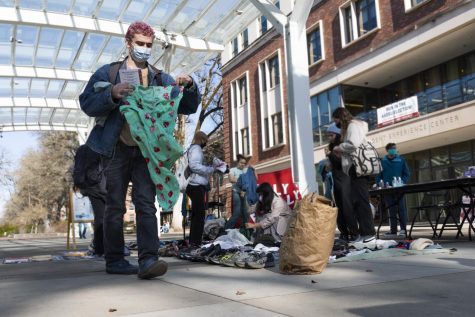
(308, 242)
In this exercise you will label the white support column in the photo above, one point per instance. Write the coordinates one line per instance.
(298, 90)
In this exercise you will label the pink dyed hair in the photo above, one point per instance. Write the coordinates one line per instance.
(139, 27)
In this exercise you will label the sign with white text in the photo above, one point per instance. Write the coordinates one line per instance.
(398, 111)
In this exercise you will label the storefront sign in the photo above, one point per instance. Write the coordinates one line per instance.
(283, 185)
(398, 111)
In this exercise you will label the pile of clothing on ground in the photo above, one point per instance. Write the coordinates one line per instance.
(232, 249)
(344, 249)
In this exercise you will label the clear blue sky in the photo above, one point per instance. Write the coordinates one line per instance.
(15, 144)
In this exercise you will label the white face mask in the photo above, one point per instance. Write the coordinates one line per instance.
(141, 53)
(261, 198)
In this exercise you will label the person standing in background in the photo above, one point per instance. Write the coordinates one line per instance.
(395, 168)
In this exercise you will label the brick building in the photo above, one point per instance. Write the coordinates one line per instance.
(368, 56)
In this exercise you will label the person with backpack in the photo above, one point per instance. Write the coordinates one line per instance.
(111, 137)
(353, 134)
(198, 187)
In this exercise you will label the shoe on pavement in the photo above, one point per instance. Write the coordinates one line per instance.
(121, 267)
(231, 261)
(401, 233)
(151, 268)
(264, 260)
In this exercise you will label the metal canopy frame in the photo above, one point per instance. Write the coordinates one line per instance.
(49, 49)
(293, 30)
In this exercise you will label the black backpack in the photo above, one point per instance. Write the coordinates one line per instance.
(88, 169)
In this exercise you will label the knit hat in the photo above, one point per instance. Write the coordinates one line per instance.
(332, 128)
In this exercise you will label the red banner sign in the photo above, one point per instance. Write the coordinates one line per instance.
(283, 185)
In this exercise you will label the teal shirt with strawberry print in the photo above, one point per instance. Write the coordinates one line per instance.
(151, 113)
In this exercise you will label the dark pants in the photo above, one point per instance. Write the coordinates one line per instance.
(346, 219)
(239, 211)
(398, 208)
(128, 164)
(361, 207)
(98, 206)
(197, 195)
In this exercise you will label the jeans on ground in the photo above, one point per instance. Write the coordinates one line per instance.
(128, 164)
(197, 195)
(98, 206)
(394, 211)
(239, 210)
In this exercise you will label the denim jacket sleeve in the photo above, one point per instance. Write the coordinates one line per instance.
(191, 96)
(98, 104)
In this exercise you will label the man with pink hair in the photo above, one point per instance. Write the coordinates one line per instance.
(123, 160)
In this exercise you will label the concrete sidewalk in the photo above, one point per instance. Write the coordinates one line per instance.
(416, 285)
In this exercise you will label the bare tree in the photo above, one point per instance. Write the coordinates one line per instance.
(42, 181)
(210, 80)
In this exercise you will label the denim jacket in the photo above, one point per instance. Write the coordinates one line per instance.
(109, 120)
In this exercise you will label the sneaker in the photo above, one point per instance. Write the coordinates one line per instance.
(401, 233)
(226, 258)
(264, 260)
(231, 261)
(369, 242)
(91, 247)
(251, 256)
(390, 234)
(126, 251)
(151, 268)
(121, 267)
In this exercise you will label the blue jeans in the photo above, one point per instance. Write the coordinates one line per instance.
(128, 164)
(392, 200)
(82, 228)
(239, 210)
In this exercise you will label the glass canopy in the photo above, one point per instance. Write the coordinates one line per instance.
(50, 48)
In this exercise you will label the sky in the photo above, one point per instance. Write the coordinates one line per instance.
(15, 145)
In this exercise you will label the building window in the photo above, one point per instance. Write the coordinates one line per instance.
(272, 124)
(263, 24)
(314, 44)
(242, 90)
(235, 46)
(240, 116)
(234, 95)
(262, 69)
(266, 133)
(278, 135)
(358, 18)
(274, 74)
(322, 106)
(245, 38)
(245, 141)
(409, 4)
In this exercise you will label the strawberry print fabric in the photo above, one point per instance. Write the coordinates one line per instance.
(151, 113)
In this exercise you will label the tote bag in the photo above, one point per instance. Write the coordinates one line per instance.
(366, 159)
